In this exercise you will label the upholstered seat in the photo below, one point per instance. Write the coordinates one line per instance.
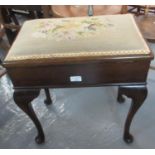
(79, 52)
(51, 40)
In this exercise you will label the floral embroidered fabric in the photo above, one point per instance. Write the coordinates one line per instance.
(71, 29)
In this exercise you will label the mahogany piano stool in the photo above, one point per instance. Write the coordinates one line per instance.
(91, 51)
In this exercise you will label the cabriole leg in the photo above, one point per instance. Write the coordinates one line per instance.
(48, 99)
(23, 99)
(120, 97)
(138, 94)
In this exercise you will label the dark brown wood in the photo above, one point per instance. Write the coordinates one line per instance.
(46, 11)
(120, 97)
(141, 9)
(92, 73)
(6, 19)
(23, 99)
(12, 15)
(138, 94)
(12, 26)
(48, 99)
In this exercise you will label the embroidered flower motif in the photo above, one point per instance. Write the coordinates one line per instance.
(68, 29)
